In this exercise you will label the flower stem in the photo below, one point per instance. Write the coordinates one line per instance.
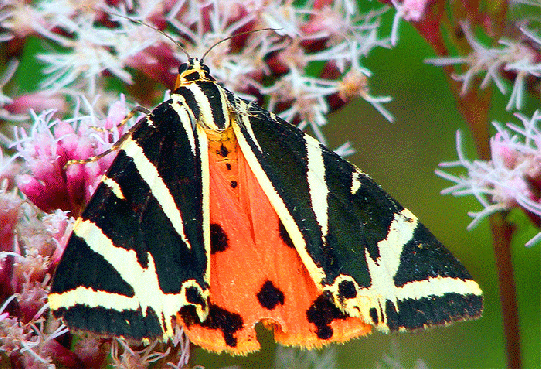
(474, 107)
(502, 232)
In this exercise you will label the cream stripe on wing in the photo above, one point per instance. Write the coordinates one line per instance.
(205, 182)
(206, 114)
(316, 183)
(355, 182)
(114, 186)
(180, 106)
(144, 281)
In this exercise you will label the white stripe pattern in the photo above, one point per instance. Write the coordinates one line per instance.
(115, 187)
(355, 182)
(180, 106)
(144, 281)
(206, 115)
(205, 181)
(316, 183)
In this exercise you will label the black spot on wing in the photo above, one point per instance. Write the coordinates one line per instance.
(322, 313)
(269, 296)
(223, 151)
(284, 235)
(218, 239)
(347, 289)
(228, 166)
(194, 297)
(218, 319)
(234, 184)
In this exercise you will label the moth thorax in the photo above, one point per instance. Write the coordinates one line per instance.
(224, 136)
(214, 110)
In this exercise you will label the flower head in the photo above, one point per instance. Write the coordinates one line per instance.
(492, 61)
(511, 179)
(51, 183)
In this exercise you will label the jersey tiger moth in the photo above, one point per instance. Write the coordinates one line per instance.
(217, 214)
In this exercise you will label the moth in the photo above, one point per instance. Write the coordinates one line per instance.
(217, 214)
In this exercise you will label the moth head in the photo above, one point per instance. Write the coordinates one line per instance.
(193, 71)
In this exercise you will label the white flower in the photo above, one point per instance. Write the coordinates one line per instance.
(510, 55)
(511, 179)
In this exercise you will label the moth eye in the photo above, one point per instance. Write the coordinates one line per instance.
(182, 68)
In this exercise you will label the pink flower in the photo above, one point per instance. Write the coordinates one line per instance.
(511, 179)
(37, 101)
(10, 205)
(158, 63)
(52, 183)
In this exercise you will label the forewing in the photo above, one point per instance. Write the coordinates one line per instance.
(137, 253)
(372, 255)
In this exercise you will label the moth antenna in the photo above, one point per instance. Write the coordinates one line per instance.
(180, 46)
(236, 35)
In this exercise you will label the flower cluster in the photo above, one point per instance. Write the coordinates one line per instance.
(28, 246)
(509, 56)
(52, 181)
(100, 41)
(512, 179)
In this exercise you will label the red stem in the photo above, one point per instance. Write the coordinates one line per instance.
(503, 234)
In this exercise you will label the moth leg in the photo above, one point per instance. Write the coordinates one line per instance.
(116, 145)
